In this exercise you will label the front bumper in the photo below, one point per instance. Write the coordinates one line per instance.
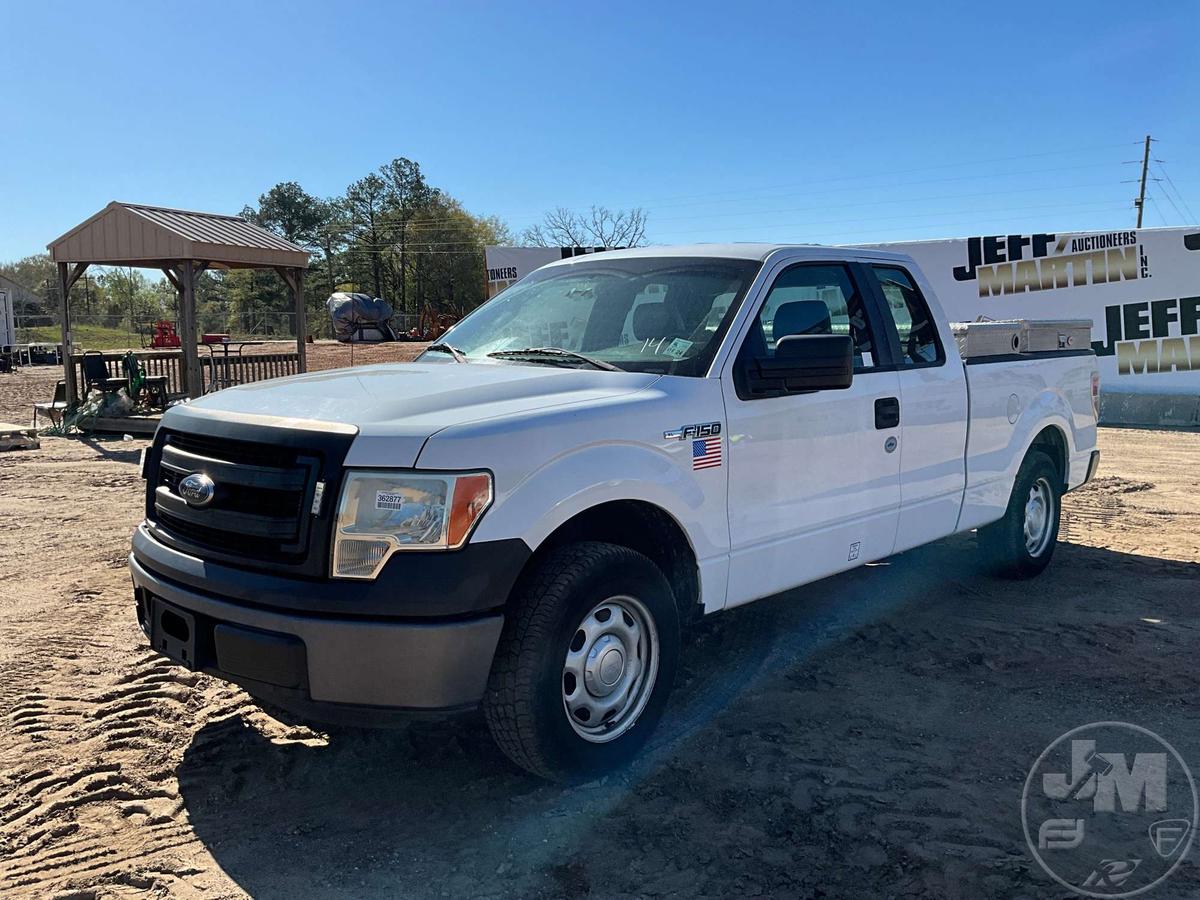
(320, 660)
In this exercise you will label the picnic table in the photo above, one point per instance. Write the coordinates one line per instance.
(215, 382)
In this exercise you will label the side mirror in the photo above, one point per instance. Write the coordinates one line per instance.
(807, 362)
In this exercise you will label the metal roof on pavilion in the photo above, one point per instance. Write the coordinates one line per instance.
(129, 233)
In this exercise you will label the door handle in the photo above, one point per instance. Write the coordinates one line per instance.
(887, 412)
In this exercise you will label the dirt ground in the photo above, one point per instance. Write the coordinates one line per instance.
(865, 736)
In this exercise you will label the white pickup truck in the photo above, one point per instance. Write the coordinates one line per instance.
(530, 515)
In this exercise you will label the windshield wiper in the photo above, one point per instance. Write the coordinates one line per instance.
(551, 354)
(458, 355)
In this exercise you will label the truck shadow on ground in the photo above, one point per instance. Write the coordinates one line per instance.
(114, 449)
(816, 743)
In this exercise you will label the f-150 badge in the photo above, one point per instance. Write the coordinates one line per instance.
(690, 432)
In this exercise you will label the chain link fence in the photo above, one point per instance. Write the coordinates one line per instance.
(100, 331)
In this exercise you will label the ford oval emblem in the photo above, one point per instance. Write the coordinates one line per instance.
(197, 489)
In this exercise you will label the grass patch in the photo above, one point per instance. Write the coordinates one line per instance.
(87, 337)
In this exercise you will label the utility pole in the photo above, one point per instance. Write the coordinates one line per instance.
(1141, 200)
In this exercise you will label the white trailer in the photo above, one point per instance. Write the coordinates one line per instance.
(1140, 288)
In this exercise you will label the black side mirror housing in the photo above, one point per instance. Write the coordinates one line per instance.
(806, 362)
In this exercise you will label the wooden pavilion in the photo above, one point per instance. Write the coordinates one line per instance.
(182, 244)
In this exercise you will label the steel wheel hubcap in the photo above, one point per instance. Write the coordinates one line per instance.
(610, 669)
(1039, 508)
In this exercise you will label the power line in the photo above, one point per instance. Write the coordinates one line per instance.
(857, 233)
(919, 215)
(426, 226)
(424, 247)
(1174, 206)
(742, 194)
(1163, 169)
(919, 199)
(1158, 210)
(668, 201)
(825, 236)
(416, 243)
(415, 228)
(746, 195)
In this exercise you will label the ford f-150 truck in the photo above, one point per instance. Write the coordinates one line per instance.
(530, 515)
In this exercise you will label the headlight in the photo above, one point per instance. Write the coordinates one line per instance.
(380, 513)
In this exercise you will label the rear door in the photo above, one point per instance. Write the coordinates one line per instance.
(814, 479)
(933, 409)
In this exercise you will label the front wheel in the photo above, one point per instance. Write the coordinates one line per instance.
(1021, 544)
(585, 663)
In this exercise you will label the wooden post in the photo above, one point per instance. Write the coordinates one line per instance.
(294, 278)
(66, 279)
(193, 383)
(301, 321)
(64, 314)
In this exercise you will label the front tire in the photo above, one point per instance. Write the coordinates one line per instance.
(586, 661)
(1021, 544)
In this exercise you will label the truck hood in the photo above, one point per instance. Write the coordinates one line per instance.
(395, 407)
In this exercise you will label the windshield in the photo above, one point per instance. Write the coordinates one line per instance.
(651, 314)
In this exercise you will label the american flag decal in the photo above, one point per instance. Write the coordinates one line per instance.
(706, 453)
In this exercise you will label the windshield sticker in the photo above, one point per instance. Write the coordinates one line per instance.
(677, 349)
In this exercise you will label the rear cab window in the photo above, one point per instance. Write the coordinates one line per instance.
(914, 328)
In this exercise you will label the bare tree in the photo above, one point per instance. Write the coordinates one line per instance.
(602, 227)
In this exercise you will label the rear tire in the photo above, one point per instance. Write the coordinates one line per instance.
(1021, 544)
(586, 661)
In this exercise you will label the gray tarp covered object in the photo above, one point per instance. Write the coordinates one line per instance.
(360, 318)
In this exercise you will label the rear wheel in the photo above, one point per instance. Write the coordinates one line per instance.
(585, 663)
(1021, 544)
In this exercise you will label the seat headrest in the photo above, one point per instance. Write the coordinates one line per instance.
(801, 317)
(650, 321)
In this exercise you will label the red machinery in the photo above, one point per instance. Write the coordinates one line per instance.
(432, 324)
(164, 336)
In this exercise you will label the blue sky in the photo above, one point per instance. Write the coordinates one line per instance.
(821, 122)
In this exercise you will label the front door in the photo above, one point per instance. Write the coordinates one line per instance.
(814, 478)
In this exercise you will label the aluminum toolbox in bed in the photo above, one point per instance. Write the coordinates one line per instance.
(1047, 335)
(1000, 338)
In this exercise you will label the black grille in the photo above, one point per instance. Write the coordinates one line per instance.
(261, 510)
(235, 451)
(225, 542)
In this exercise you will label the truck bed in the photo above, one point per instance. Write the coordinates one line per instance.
(1012, 397)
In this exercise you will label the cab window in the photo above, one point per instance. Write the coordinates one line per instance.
(915, 328)
(813, 299)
